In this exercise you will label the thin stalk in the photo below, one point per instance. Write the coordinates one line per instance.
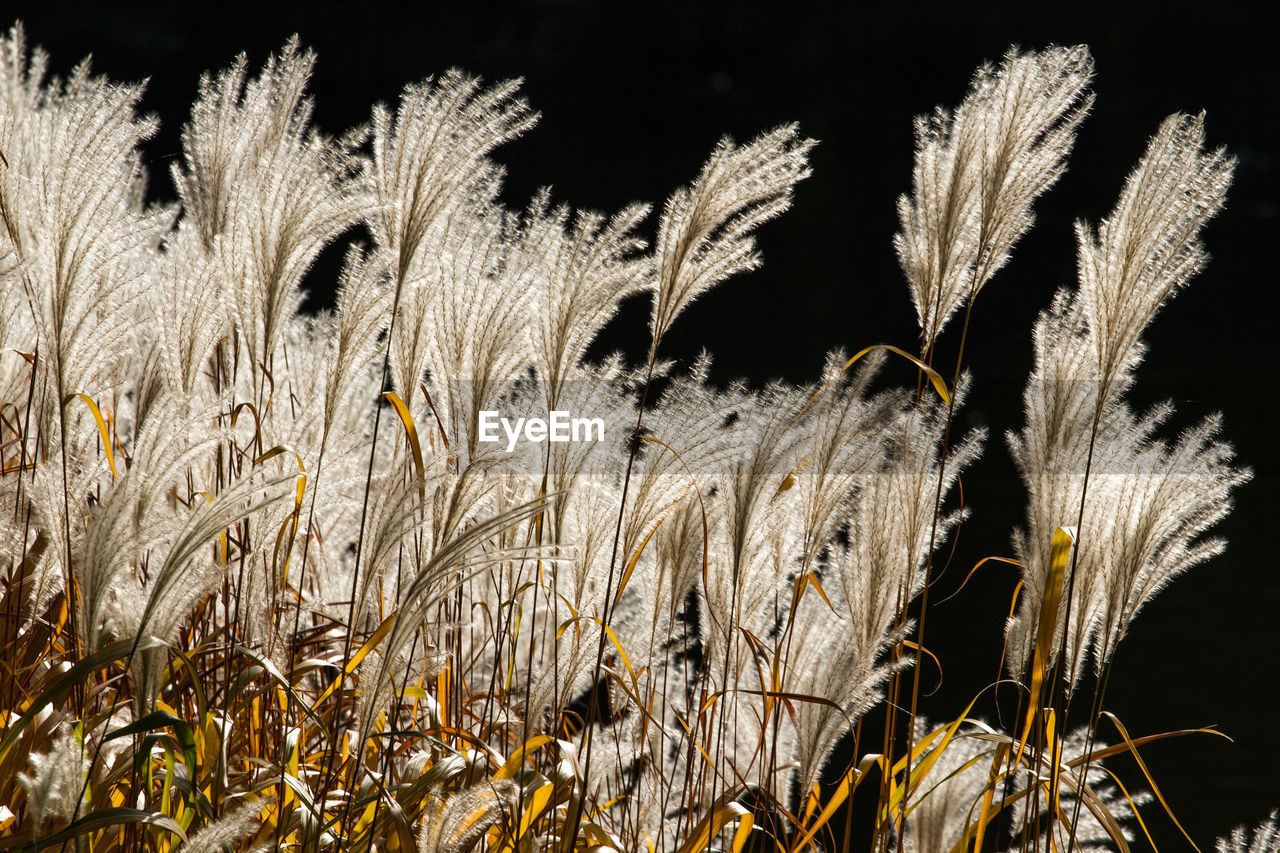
(331, 747)
(1099, 694)
(881, 839)
(848, 803)
(297, 621)
(536, 531)
(575, 819)
(933, 538)
(1065, 677)
(1011, 770)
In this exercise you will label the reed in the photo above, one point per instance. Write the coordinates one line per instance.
(269, 584)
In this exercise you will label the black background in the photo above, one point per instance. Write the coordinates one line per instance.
(633, 97)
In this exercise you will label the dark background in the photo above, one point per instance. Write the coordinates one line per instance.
(633, 97)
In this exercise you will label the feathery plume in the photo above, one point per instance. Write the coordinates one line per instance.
(265, 191)
(1263, 838)
(1149, 247)
(453, 824)
(704, 236)
(225, 833)
(978, 171)
(56, 778)
(1147, 504)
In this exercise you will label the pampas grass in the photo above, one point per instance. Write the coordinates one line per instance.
(267, 586)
